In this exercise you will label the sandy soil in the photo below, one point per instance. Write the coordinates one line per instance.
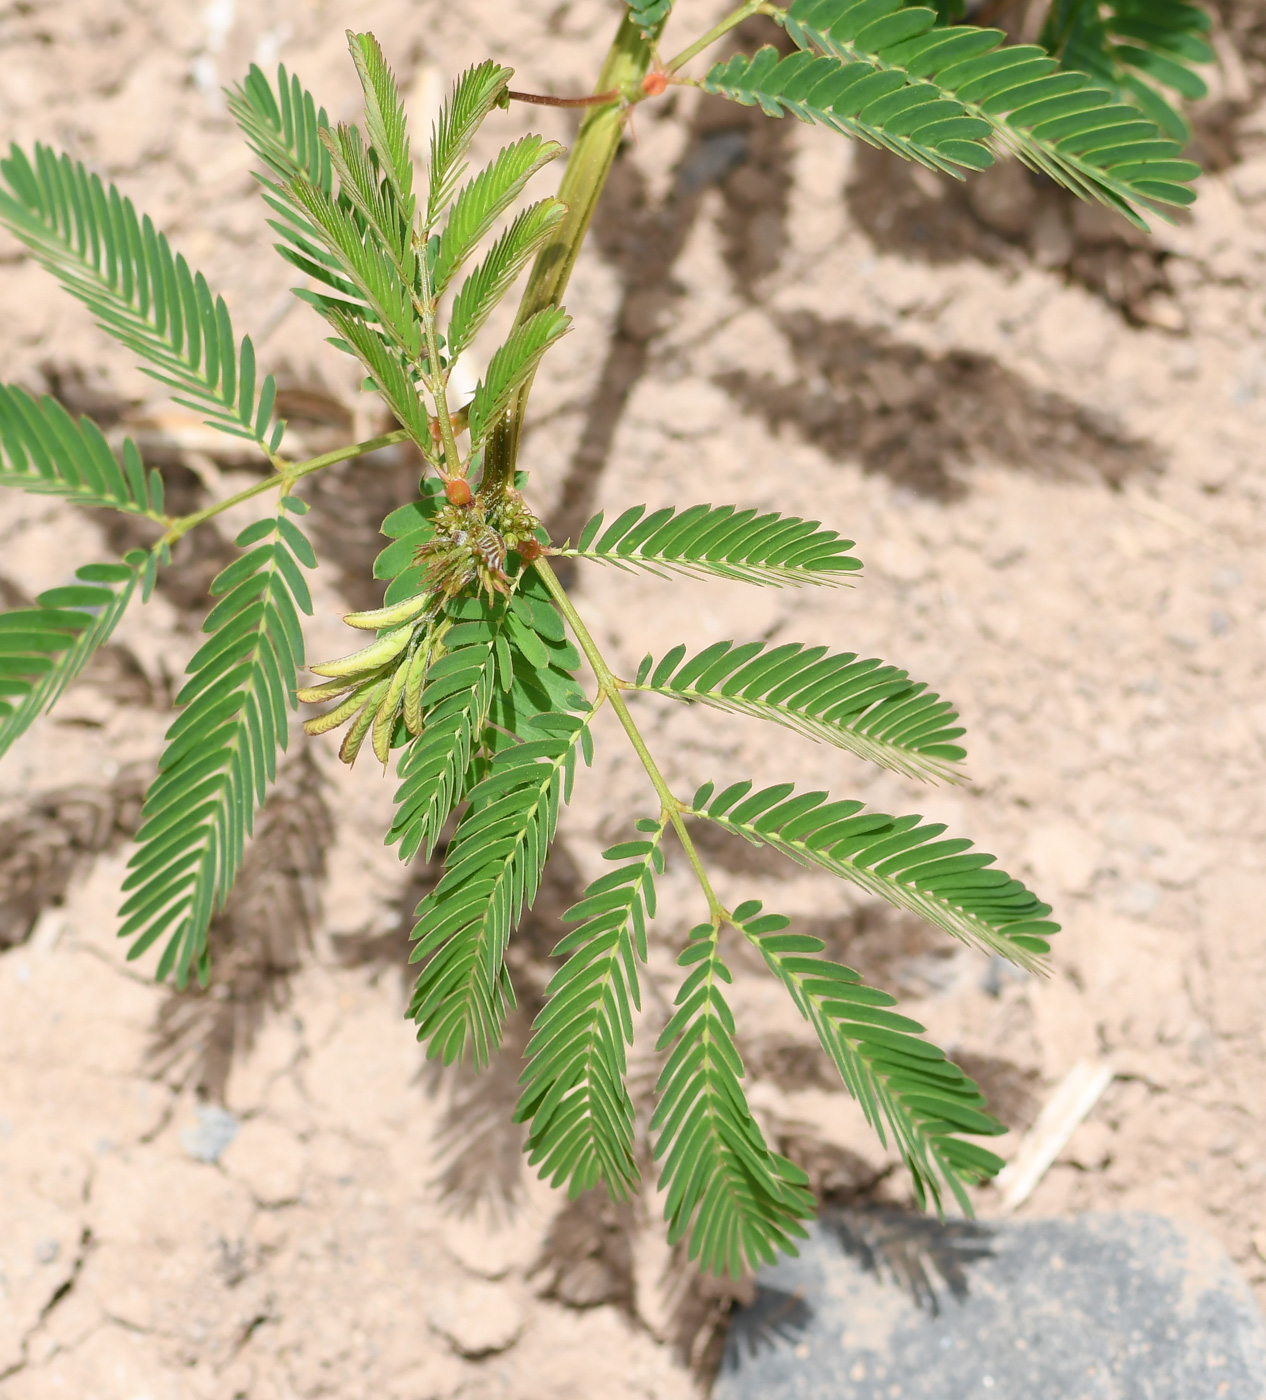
(1045, 435)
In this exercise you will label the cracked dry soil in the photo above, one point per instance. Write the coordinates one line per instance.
(1045, 435)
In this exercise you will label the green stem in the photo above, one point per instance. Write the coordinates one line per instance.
(719, 31)
(287, 474)
(592, 155)
(612, 689)
(435, 379)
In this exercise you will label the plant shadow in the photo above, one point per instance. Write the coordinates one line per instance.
(259, 940)
(922, 418)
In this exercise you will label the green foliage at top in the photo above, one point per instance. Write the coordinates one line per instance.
(1144, 51)
(467, 678)
(384, 119)
(474, 95)
(946, 96)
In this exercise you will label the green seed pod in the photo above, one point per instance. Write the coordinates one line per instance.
(415, 675)
(369, 658)
(385, 721)
(392, 616)
(355, 736)
(331, 719)
(314, 694)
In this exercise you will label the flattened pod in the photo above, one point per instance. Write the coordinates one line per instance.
(322, 724)
(368, 658)
(355, 736)
(385, 721)
(404, 611)
(413, 688)
(315, 694)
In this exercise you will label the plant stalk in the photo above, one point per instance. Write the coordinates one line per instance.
(287, 474)
(610, 687)
(719, 31)
(592, 154)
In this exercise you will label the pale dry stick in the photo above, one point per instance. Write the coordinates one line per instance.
(1080, 1089)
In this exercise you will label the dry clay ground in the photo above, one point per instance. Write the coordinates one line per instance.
(1047, 439)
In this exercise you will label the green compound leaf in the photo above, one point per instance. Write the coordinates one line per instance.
(367, 269)
(721, 541)
(574, 1094)
(384, 119)
(45, 451)
(511, 366)
(887, 73)
(221, 752)
(904, 1085)
(288, 132)
(483, 201)
(389, 371)
(433, 769)
(283, 126)
(736, 1202)
(376, 202)
(43, 649)
(1138, 49)
(492, 279)
(491, 874)
(123, 270)
(477, 91)
(649, 15)
(915, 120)
(873, 710)
(899, 859)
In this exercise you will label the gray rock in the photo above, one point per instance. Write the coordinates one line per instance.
(886, 1306)
(206, 1139)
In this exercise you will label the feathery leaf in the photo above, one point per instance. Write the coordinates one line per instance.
(873, 710)
(476, 92)
(511, 366)
(491, 874)
(722, 541)
(899, 859)
(886, 72)
(903, 1083)
(43, 649)
(45, 451)
(283, 127)
(89, 237)
(482, 202)
(221, 752)
(384, 118)
(455, 703)
(288, 132)
(391, 376)
(376, 280)
(492, 279)
(1136, 49)
(737, 1202)
(374, 199)
(574, 1093)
